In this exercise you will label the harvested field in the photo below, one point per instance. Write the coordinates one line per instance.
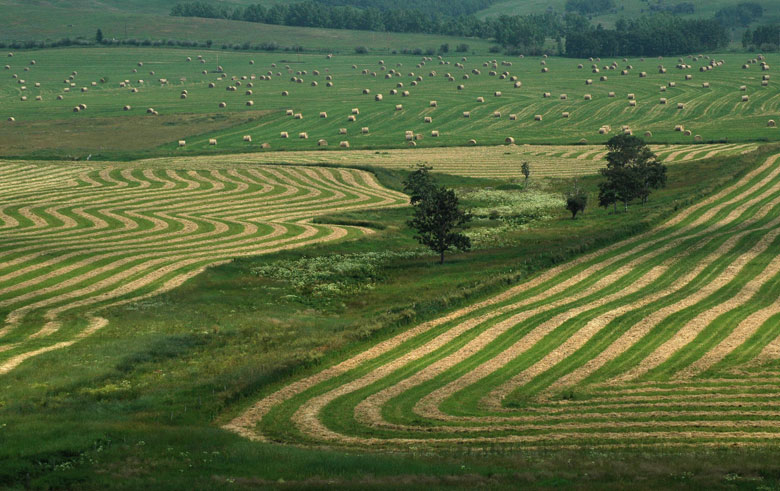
(499, 162)
(78, 237)
(665, 339)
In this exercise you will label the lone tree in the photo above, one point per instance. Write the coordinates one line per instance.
(576, 200)
(437, 217)
(632, 172)
(526, 170)
(99, 36)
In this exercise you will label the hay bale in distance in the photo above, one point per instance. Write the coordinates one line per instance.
(344, 144)
(509, 140)
(303, 135)
(538, 117)
(247, 138)
(212, 141)
(364, 130)
(284, 134)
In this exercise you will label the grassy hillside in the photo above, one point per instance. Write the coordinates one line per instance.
(628, 9)
(714, 113)
(39, 22)
(140, 401)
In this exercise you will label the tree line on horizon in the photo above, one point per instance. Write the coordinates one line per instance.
(657, 34)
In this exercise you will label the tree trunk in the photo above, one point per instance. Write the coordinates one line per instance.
(441, 257)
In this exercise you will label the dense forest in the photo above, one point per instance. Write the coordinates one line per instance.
(659, 34)
(455, 8)
(648, 36)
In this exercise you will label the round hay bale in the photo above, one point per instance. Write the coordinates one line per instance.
(250, 103)
(472, 142)
(303, 135)
(513, 117)
(602, 131)
(247, 138)
(611, 94)
(84, 89)
(466, 114)
(393, 92)
(663, 88)
(38, 98)
(188, 59)
(428, 119)
(342, 131)
(765, 83)
(648, 134)
(497, 114)
(672, 84)
(212, 141)
(480, 99)
(126, 108)
(565, 114)
(284, 134)
(412, 143)
(632, 103)
(405, 93)
(298, 116)
(461, 87)
(212, 85)
(509, 140)
(351, 119)
(745, 98)
(564, 97)
(546, 95)
(642, 74)
(518, 85)
(223, 104)
(589, 82)
(680, 105)
(689, 77)
(329, 84)
(11, 119)
(378, 97)
(697, 138)
(149, 110)
(497, 93)
(364, 130)
(322, 143)
(545, 70)
(662, 100)
(344, 144)
(285, 93)
(366, 91)
(60, 97)
(771, 123)
(399, 107)
(687, 133)
(588, 97)
(433, 104)
(538, 117)
(355, 111)
(705, 85)
(135, 91)
(435, 133)
(678, 127)
(603, 78)
(323, 115)
(248, 92)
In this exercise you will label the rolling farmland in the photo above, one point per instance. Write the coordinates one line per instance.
(548, 161)
(80, 238)
(242, 106)
(668, 338)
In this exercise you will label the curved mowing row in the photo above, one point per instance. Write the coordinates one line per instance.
(76, 239)
(668, 338)
(494, 161)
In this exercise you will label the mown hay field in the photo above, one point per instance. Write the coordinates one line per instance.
(666, 339)
(546, 161)
(155, 81)
(78, 238)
